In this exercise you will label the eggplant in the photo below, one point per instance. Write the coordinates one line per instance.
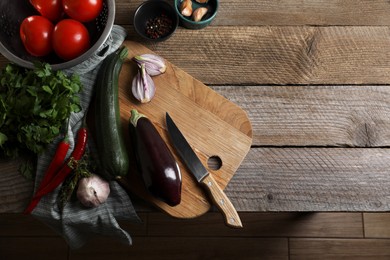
(159, 170)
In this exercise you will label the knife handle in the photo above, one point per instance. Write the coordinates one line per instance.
(222, 202)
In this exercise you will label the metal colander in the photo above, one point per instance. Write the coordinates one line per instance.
(13, 12)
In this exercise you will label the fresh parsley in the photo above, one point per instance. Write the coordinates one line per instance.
(34, 106)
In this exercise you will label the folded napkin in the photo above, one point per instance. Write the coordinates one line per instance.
(76, 223)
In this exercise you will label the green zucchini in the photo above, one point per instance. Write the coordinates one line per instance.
(113, 160)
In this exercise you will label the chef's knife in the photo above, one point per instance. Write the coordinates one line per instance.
(201, 174)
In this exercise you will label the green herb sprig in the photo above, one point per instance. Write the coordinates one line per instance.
(34, 106)
(84, 169)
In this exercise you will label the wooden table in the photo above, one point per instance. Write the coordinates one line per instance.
(313, 77)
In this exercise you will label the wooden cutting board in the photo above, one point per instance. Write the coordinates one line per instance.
(214, 127)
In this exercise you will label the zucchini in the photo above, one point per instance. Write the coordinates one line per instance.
(113, 160)
(156, 164)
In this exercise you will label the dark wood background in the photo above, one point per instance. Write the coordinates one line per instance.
(314, 79)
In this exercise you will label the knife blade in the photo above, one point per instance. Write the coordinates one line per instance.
(202, 175)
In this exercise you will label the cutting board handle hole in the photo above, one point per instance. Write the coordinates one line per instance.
(214, 162)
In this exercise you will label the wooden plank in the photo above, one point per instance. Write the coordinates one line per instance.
(189, 248)
(296, 12)
(19, 225)
(33, 248)
(343, 116)
(285, 55)
(261, 225)
(286, 12)
(339, 249)
(312, 179)
(250, 55)
(15, 190)
(376, 225)
(281, 55)
(294, 179)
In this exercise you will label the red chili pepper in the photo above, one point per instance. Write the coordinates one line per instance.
(54, 166)
(70, 165)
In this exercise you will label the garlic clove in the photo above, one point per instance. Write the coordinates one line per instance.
(143, 87)
(93, 191)
(154, 64)
(186, 8)
(198, 14)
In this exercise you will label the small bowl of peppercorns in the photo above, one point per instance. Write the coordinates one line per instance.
(155, 20)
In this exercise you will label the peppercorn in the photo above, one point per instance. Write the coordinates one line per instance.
(158, 26)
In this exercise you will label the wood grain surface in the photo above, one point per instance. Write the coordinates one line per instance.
(321, 116)
(15, 190)
(213, 125)
(313, 77)
(266, 235)
(300, 179)
(282, 55)
(286, 12)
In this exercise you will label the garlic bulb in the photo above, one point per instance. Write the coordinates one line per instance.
(93, 191)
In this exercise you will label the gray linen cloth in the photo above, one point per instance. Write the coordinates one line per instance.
(77, 223)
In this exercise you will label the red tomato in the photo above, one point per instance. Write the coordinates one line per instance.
(83, 10)
(36, 35)
(70, 39)
(51, 9)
